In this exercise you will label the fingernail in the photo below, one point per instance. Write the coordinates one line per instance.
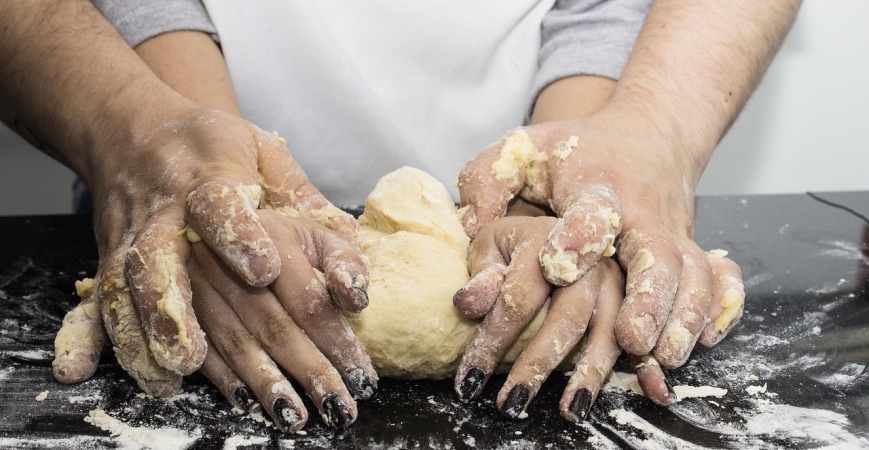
(363, 294)
(471, 384)
(669, 384)
(458, 294)
(516, 400)
(581, 404)
(359, 384)
(335, 411)
(285, 413)
(244, 397)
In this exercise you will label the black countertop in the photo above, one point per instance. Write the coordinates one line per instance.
(805, 336)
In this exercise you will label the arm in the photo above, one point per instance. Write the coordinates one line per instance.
(327, 351)
(156, 163)
(625, 175)
(696, 64)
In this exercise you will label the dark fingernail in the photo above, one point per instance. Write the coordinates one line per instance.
(336, 412)
(458, 294)
(516, 400)
(363, 293)
(244, 397)
(668, 384)
(360, 384)
(581, 404)
(285, 413)
(472, 384)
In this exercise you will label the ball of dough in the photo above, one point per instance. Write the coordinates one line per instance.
(414, 201)
(410, 328)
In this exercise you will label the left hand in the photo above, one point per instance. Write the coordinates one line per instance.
(507, 286)
(614, 179)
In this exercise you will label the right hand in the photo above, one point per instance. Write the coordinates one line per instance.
(194, 167)
(293, 323)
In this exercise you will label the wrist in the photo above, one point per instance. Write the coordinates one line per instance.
(121, 128)
(686, 145)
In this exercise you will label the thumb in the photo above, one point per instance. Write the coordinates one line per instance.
(590, 219)
(494, 176)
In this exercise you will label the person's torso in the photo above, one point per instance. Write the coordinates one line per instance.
(362, 87)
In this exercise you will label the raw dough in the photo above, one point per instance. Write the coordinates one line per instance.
(417, 250)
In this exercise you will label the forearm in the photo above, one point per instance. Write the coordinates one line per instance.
(71, 83)
(191, 63)
(572, 98)
(695, 64)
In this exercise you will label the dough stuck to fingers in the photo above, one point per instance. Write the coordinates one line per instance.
(158, 281)
(80, 339)
(222, 212)
(728, 298)
(130, 343)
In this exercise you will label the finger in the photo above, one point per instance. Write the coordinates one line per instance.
(287, 189)
(590, 221)
(728, 298)
(486, 266)
(494, 176)
(654, 379)
(123, 327)
(245, 357)
(222, 213)
(654, 265)
(521, 296)
(570, 309)
(286, 343)
(227, 382)
(157, 272)
(477, 297)
(600, 351)
(688, 317)
(79, 341)
(306, 299)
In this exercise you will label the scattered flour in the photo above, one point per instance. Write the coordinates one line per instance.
(233, 442)
(84, 398)
(34, 355)
(756, 390)
(129, 437)
(628, 382)
(786, 422)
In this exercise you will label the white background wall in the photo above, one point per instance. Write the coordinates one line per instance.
(805, 129)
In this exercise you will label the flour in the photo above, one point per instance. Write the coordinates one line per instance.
(84, 398)
(233, 442)
(32, 355)
(786, 422)
(628, 382)
(129, 437)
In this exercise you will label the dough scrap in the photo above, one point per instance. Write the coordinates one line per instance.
(417, 249)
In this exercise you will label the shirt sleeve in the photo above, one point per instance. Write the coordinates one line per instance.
(588, 37)
(140, 20)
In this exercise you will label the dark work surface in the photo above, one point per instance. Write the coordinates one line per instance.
(805, 335)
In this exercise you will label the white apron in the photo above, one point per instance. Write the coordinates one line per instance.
(362, 87)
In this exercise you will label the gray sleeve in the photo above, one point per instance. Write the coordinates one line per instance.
(588, 37)
(140, 20)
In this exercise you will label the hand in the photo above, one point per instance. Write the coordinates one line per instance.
(198, 170)
(293, 323)
(508, 288)
(614, 184)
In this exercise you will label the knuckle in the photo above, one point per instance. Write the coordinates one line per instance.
(275, 332)
(233, 343)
